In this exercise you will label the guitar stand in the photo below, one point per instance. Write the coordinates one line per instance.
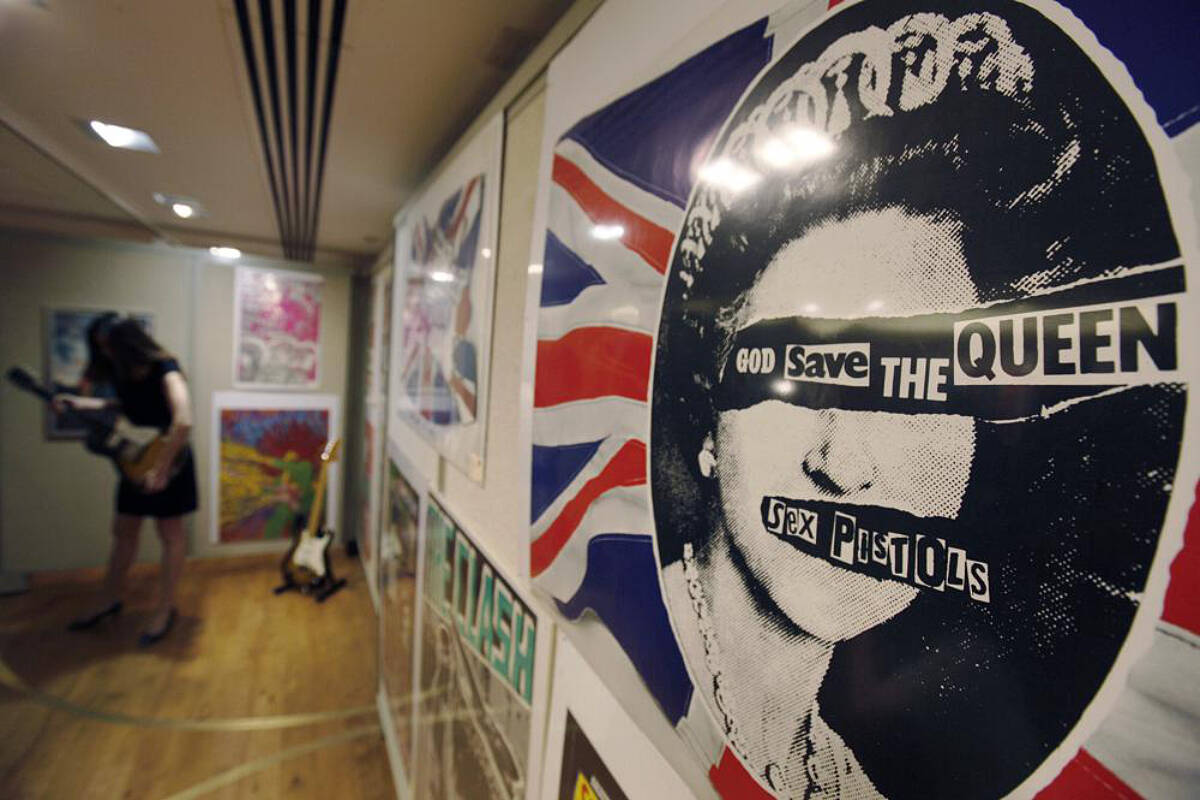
(331, 586)
(321, 590)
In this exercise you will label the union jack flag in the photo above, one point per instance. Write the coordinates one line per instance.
(619, 184)
(438, 372)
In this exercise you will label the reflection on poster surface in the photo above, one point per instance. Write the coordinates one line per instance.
(479, 642)
(918, 374)
(584, 775)
(398, 585)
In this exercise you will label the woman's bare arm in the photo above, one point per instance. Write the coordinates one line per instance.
(179, 400)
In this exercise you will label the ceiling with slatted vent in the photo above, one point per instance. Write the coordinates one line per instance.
(298, 126)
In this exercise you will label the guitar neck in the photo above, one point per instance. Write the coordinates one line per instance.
(318, 504)
(23, 380)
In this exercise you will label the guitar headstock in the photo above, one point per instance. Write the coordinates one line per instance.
(333, 449)
(22, 379)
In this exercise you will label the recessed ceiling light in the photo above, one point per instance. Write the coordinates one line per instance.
(226, 253)
(120, 136)
(181, 206)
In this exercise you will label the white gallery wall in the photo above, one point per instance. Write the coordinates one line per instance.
(56, 499)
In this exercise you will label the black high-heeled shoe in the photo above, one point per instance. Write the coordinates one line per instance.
(83, 623)
(148, 638)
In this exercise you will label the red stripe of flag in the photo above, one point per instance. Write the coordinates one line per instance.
(461, 211)
(1182, 604)
(733, 782)
(641, 235)
(626, 468)
(592, 362)
(1084, 778)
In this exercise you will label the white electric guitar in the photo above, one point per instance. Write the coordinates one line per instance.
(306, 566)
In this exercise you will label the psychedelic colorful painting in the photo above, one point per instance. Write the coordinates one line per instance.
(277, 319)
(268, 460)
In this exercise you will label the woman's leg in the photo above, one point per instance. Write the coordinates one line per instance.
(126, 528)
(174, 553)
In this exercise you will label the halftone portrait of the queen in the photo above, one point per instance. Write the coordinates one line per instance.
(918, 400)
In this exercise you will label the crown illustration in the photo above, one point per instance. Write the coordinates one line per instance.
(875, 72)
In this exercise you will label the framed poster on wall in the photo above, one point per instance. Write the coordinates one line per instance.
(400, 548)
(834, 335)
(444, 280)
(266, 457)
(277, 329)
(67, 356)
(593, 748)
(483, 683)
(371, 487)
(370, 491)
(379, 324)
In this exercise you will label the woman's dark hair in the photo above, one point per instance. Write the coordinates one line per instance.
(131, 348)
(1021, 140)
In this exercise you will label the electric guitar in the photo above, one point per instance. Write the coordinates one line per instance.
(306, 565)
(134, 450)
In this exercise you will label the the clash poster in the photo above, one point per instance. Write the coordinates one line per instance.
(445, 272)
(482, 654)
(901, 303)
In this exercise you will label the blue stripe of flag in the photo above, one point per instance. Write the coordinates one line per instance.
(621, 588)
(564, 274)
(649, 136)
(553, 470)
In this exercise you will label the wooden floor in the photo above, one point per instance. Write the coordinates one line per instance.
(236, 651)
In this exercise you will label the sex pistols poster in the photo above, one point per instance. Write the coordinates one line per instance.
(902, 305)
(483, 651)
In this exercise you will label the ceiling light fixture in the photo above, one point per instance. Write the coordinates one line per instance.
(182, 207)
(122, 137)
(226, 253)
(441, 276)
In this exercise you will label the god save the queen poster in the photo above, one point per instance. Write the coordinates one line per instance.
(902, 305)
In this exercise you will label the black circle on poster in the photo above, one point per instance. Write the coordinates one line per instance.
(917, 401)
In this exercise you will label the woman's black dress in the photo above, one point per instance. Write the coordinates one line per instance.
(144, 402)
